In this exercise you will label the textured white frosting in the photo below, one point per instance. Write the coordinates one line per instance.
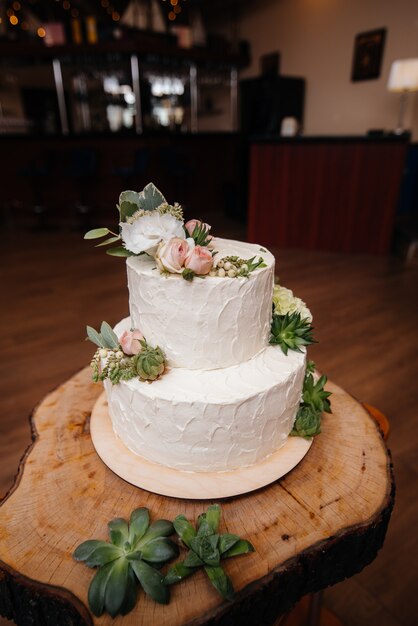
(207, 323)
(210, 420)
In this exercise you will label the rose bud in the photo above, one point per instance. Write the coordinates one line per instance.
(191, 225)
(130, 342)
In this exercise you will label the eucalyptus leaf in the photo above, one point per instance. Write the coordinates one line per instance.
(85, 549)
(129, 196)
(97, 589)
(94, 336)
(138, 525)
(159, 550)
(96, 233)
(127, 209)
(150, 198)
(109, 336)
(106, 242)
(242, 546)
(116, 587)
(220, 581)
(152, 581)
(184, 529)
(119, 251)
(177, 573)
(160, 528)
(118, 530)
(226, 542)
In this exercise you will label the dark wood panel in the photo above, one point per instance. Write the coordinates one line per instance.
(325, 196)
(197, 171)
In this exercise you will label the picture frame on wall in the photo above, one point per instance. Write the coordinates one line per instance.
(368, 54)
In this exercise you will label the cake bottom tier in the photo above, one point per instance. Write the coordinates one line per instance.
(210, 420)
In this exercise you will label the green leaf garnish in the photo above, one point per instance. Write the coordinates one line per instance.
(119, 251)
(106, 242)
(207, 548)
(122, 564)
(94, 337)
(315, 401)
(96, 233)
(291, 332)
(108, 336)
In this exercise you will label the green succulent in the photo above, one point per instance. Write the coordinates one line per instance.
(314, 394)
(291, 332)
(307, 423)
(206, 549)
(149, 363)
(315, 401)
(131, 559)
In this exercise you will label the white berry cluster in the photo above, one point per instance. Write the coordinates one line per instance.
(230, 267)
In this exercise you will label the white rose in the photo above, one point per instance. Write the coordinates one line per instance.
(146, 232)
(285, 302)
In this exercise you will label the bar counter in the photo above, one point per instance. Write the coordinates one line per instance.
(325, 193)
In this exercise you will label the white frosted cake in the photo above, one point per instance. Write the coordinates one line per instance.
(217, 394)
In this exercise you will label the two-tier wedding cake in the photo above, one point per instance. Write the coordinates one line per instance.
(208, 372)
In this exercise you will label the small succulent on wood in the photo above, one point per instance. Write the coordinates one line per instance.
(206, 550)
(132, 558)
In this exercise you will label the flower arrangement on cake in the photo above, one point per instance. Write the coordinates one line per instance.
(188, 336)
(149, 225)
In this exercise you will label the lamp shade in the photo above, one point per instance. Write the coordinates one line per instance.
(403, 76)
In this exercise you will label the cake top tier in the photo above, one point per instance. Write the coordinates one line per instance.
(211, 322)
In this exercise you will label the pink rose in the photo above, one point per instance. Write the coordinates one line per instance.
(171, 255)
(191, 225)
(199, 260)
(130, 341)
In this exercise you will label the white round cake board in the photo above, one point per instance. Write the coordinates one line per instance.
(167, 481)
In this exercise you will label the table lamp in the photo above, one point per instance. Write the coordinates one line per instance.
(403, 78)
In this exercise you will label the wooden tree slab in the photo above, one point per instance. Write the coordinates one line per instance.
(323, 522)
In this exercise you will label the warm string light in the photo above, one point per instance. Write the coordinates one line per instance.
(13, 20)
(175, 9)
(41, 32)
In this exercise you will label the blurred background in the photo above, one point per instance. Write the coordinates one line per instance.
(290, 123)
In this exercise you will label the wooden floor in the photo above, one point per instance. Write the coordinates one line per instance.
(366, 315)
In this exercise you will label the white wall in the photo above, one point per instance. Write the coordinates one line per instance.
(316, 40)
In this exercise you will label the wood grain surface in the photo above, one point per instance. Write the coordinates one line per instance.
(321, 523)
(365, 311)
